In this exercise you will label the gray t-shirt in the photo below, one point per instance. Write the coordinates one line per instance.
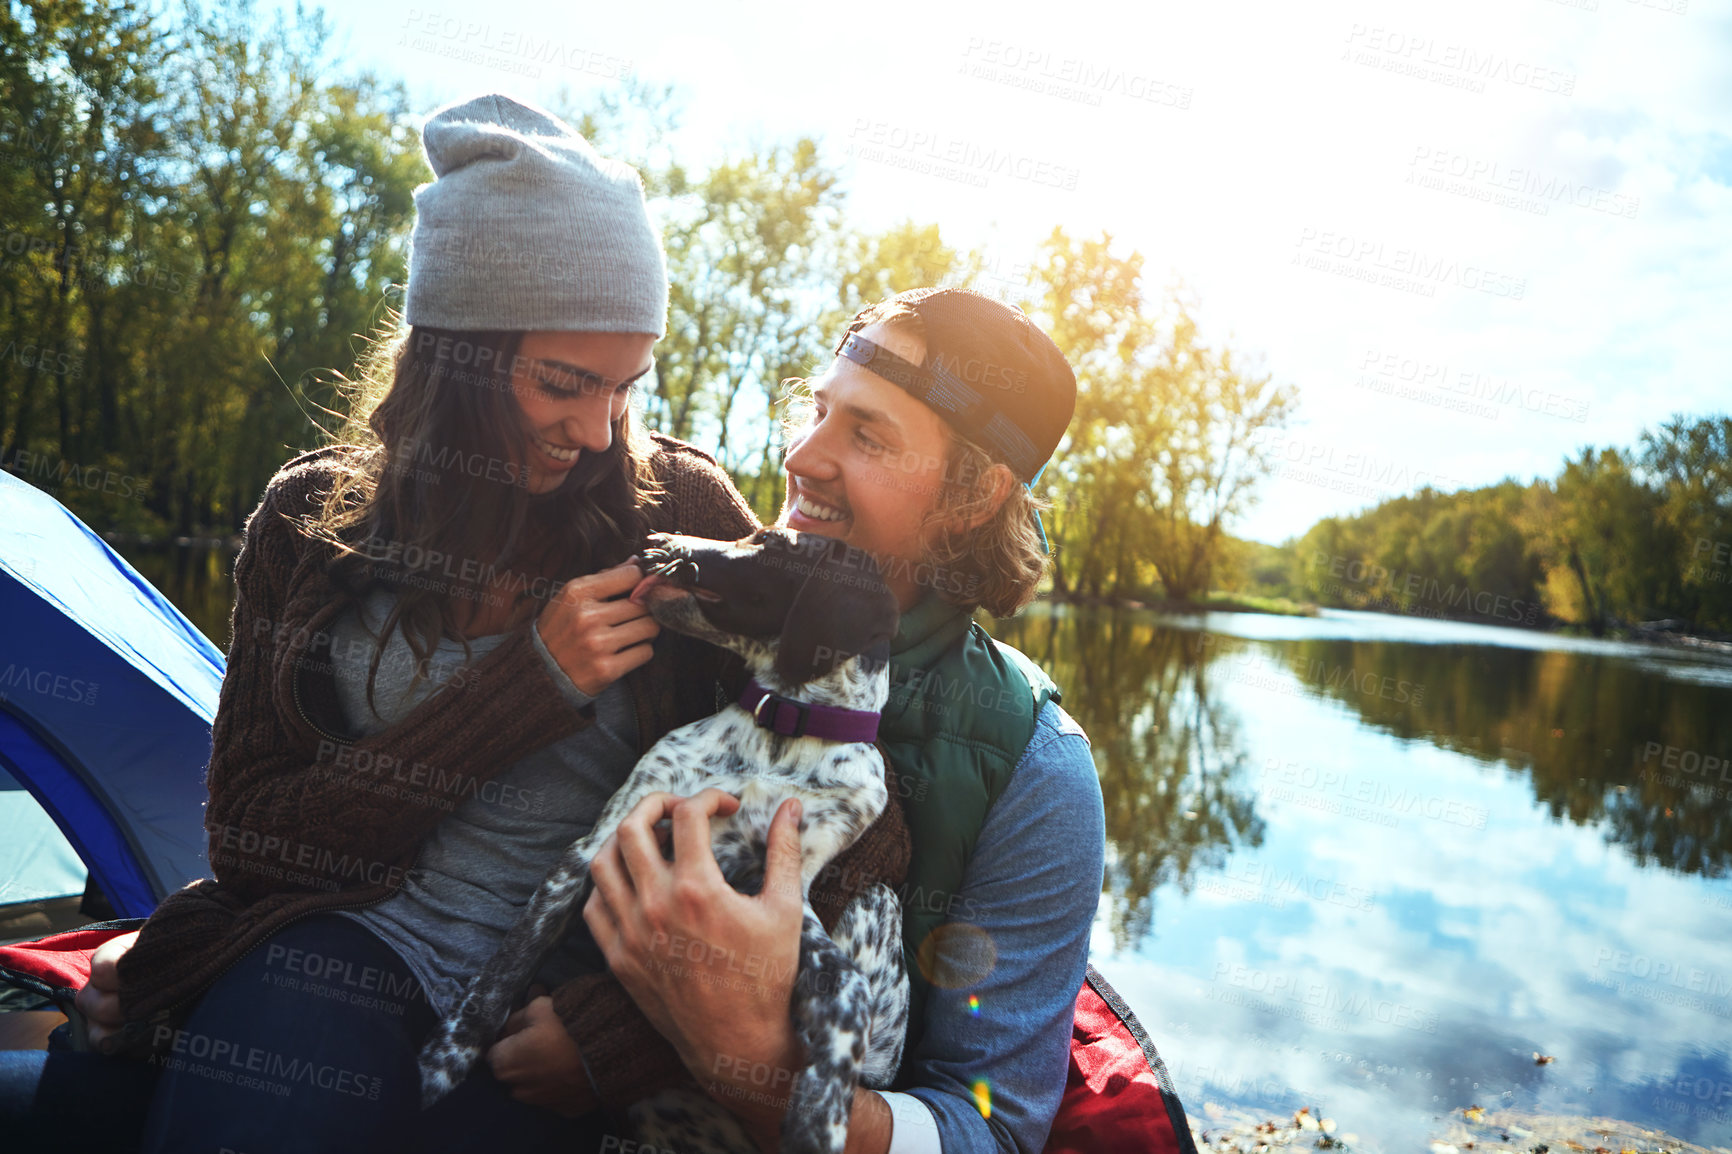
(477, 869)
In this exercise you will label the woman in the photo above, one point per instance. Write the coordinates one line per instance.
(434, 685)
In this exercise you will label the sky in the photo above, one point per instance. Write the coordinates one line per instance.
(1475, 236)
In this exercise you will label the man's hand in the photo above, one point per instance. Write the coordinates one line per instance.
(711, 968)
(99, 1000)
(594, 632)
(539, 1060)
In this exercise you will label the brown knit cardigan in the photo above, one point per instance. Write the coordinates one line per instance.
(302, 819)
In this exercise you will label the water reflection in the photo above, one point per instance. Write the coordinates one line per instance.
(1602, 740)
(1172, 762)
(197, 578)
(1413, 864)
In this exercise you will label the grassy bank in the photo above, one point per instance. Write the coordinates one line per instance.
(1217, 602)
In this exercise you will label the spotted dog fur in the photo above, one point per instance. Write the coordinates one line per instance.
(870, 933)
(856, 975)
(811, 627)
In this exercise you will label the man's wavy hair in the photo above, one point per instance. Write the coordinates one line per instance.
(999, 563)
(433, 503)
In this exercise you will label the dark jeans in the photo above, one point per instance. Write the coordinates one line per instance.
(59, 1100)
(307, 1044)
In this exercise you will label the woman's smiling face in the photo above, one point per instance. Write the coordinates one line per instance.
(570, 389)
(869, 466)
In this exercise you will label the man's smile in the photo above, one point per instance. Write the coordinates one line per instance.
(811, 508)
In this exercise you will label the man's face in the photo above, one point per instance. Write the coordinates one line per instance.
(870, 465)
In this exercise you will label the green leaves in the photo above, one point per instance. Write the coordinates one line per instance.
(1168, 441)
(1617, 538)
(219, 213)
(212, 217)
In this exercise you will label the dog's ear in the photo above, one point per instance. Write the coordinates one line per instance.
(843, 609)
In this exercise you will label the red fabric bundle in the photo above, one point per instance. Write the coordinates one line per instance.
(58, 966)
(1118, 1096)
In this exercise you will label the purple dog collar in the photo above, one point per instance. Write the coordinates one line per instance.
(792, 718)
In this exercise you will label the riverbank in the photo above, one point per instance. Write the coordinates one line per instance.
(231, 543)
(1671, 635)
(1213, 603)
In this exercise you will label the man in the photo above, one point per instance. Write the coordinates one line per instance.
(940, 409)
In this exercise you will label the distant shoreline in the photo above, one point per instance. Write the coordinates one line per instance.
(1659, 634)
(1222, 603)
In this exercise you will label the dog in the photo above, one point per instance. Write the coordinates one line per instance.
(814, 625)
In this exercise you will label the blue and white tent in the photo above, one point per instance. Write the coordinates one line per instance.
(106, 698)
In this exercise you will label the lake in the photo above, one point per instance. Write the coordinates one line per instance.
(1374, 865)
(197, 577)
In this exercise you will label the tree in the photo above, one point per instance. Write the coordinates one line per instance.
(298, 202)
(1607, 536)
(1216, 451)
(748, 247)
(81, 134)
(202, 249)
(192, 239)
(1168, 440)
(1101, 483)
(1690, 461)
(877, 266)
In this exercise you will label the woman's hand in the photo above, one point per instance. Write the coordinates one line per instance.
(99, 1000)
(595, 633)
(711, 968)
(538, 1059)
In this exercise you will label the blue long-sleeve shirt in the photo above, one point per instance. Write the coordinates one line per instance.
(1032, 888)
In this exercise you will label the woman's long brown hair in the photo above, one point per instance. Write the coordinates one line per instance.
(435, 506)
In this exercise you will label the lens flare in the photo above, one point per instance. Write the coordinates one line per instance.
(974, 1004)
(983, 1097)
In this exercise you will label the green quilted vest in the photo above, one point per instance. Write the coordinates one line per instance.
(961, 712)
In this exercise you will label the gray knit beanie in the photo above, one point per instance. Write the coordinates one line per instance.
(525, 227)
